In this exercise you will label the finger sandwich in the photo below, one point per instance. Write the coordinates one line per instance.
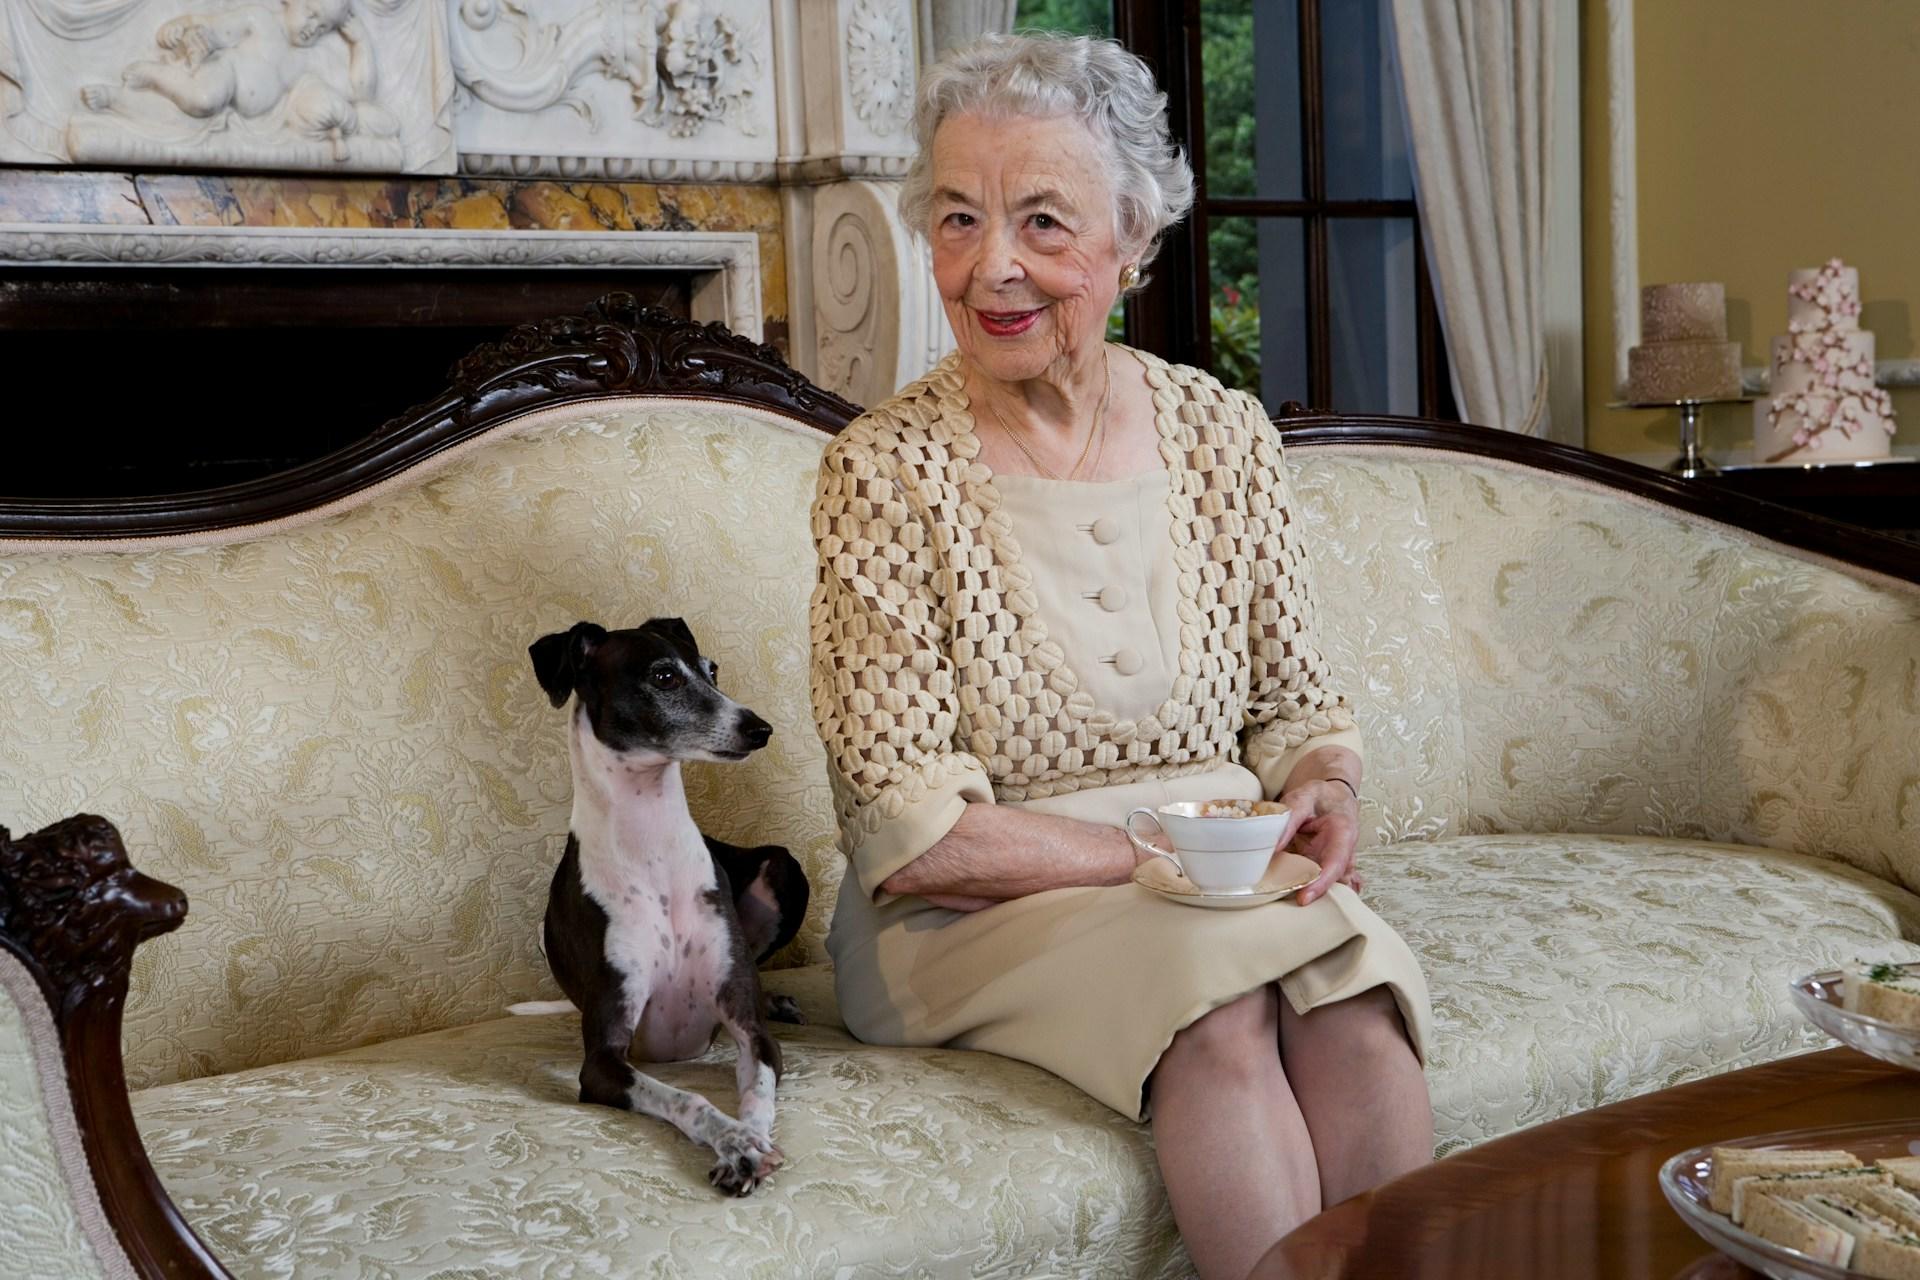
(1884, 991)
(1905, 1171)
(1895, 1202)
(1887, 1257)
(1793, 1224)
(1881, 1247)
(1733, 1163)
(1800, 1185)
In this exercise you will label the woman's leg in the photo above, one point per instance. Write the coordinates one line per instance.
(1234, 1149)
(1360, 1089)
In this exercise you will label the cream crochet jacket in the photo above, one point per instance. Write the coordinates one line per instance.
(934, 680)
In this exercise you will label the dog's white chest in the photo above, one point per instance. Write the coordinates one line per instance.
(645, 864)
(665, 936)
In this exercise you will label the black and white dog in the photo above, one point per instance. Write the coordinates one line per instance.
(654, 930)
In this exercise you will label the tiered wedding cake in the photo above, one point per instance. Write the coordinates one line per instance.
(1684, 353)
(1823, 406)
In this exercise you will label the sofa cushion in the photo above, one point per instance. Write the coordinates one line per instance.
(1571, 971)
(329, 735)
(463, 1153)
(1567, 971)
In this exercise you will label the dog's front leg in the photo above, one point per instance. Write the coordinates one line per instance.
(756, 1072)
(606, 1077)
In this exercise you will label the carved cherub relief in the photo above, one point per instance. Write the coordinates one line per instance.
(245, 62)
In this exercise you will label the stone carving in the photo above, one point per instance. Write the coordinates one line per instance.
(683, 67)
(880, 69)
(614, 87)
(877, 321)
(309, 84)
(698, 75)
(848, 306)
(221, 68)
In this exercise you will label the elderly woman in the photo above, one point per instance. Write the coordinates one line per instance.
(1059, 579)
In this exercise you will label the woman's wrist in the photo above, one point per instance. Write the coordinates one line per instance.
(1331, 763)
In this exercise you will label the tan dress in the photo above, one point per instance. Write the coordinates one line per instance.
(1076, 649)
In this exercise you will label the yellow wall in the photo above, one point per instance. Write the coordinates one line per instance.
(1773, 134)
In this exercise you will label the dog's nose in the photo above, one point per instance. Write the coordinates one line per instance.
(755, 730)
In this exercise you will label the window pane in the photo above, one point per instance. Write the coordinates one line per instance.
(1366, 131)
(1371, 308)
(1253, 122)
(1075, 17)
(1257, 303)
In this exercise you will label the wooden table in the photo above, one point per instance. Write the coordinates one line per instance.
(1883, 498)
(1580, 1197)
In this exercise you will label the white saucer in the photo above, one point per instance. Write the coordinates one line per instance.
(1287, 873)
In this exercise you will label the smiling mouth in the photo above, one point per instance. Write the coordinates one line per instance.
(1006, 323)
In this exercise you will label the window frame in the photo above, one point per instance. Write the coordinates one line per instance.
(1171, 313)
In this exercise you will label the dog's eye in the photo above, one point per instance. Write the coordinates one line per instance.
(713, 672)
(667, 678)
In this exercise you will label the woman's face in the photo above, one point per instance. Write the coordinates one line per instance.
(1023, 246)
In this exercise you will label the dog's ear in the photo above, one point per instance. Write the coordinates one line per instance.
(676, 630)
(558, 658)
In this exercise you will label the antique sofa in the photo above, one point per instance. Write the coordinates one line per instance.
(1633, 763)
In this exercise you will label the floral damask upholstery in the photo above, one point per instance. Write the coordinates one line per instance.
(1533, 653)
(1628, 772)
(1567, 972)
(43, 1232)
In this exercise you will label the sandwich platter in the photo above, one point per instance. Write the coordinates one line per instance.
(1688, 1182)
(1833, 1002)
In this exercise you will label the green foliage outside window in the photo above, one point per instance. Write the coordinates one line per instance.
(1226, 44)
(1075, 17)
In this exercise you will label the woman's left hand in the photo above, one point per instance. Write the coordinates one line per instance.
(1324, 825)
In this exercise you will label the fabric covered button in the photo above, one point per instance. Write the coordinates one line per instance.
(1106, 531)
(1127, 662)
(1113, 599)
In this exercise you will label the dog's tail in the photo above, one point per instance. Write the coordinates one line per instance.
(538, 1008)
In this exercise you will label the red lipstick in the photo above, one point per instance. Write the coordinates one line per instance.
(1006, 324)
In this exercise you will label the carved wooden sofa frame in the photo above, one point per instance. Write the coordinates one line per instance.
(73, 908)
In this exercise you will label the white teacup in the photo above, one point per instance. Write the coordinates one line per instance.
(1218, 854)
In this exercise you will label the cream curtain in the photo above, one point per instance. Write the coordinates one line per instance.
(1478, 80)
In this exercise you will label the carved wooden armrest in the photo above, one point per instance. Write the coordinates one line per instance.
(72, 910)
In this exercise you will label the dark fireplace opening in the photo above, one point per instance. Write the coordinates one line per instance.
(145, 381)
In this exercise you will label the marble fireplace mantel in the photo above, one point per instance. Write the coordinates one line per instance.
(725, 264)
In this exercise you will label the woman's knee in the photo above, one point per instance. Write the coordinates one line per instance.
(1241, 1035)
(1370, 1021)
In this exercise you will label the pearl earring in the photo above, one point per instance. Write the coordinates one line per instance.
(1129, 276)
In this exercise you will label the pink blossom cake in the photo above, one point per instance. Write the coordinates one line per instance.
(1823, 405)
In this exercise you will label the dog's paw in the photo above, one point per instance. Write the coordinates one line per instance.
(746, 1160)
(785, 1009)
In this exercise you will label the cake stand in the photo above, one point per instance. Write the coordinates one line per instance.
(1691, 461)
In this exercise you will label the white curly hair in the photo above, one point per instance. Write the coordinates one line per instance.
(1096, 81)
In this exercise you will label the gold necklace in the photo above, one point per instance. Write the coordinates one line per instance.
(1097, 429)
